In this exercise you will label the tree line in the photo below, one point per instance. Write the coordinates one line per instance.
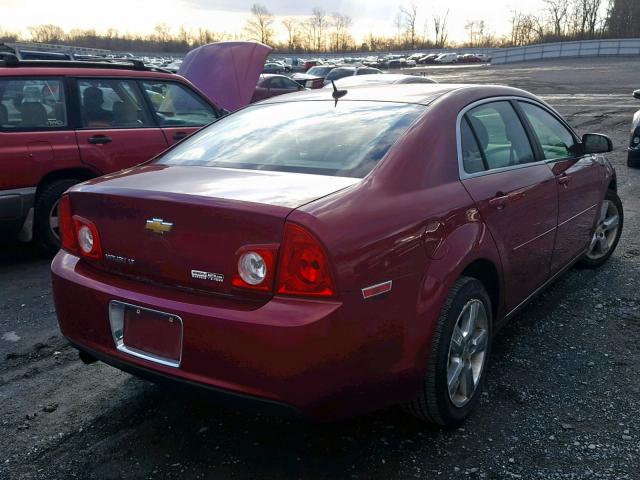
(321, 31)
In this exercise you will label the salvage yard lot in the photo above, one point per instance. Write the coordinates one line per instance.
(561, 399)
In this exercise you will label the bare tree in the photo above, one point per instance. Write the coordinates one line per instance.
(526, 28)
(557, 10)
(586, 15)
(440, 28)
(409, 16)
(46, 33)
(340, 36)
(260, 25)
(319, 25)
(291, 25)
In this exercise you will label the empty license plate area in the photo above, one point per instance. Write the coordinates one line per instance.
(145, 333)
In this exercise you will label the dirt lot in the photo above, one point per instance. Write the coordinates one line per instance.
(561, 400)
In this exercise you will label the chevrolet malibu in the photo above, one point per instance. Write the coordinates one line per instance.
(336, 253)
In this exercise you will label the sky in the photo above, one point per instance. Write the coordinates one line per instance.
(140, 16)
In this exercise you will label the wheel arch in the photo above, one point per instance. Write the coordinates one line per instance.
(80, 174)
(486, 272)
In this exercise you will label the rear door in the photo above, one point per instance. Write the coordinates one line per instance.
(579, 179)
(117, 129)
(177, 108)
(514, 191)
(35, 139)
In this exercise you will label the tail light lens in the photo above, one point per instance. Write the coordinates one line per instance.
(68, 238)
(78, 235)
(256, 267)
(304, 266)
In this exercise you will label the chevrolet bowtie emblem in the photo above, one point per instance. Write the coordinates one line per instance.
(158, 225)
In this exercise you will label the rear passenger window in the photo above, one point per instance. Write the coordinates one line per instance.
(175, 105)
(501, 136)
(36, 103)
(556, 141)
(111, 103)
(471, 156)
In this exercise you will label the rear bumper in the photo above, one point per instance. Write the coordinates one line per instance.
(325, 360)
(224, 397)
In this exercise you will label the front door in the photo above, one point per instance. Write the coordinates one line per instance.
(579, 181)
(117, 130)
(515, 194)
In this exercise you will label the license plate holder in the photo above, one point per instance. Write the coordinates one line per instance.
(147, 333)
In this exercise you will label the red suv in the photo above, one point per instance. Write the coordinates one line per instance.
(65, 122)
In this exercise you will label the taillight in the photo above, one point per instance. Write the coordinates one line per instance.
(68, 238)
(256, 266)
(87, 237)
(304, 266)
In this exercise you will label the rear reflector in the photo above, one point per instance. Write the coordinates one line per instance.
(375, 290)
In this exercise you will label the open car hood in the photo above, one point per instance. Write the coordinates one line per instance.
(226, 72)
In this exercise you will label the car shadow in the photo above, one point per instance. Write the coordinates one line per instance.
(14, 253)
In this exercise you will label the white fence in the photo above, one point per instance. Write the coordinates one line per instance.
(585, 48)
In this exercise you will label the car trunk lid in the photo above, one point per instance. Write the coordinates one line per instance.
(182, 226)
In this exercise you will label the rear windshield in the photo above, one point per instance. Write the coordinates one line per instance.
(315, 137)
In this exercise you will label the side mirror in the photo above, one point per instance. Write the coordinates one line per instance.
(596, 143)
(636, 94)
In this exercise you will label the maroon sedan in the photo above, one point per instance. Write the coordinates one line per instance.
(271, 85)
(336, 256)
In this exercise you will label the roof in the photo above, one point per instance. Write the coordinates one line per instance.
(9, 63)
(89, 71)
(423, 93)
(420, 93)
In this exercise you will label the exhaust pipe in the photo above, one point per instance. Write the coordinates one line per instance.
(86, 358)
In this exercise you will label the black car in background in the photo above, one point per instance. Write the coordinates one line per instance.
(633, 158)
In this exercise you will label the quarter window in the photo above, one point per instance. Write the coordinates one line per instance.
(556, 140)
(175, 105)
(500, 135)
(111, 103)
(37, 103)
(472, 159)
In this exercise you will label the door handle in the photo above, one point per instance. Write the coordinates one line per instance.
(99, 139)
(564, 180)
(499, 202)
(179, 135)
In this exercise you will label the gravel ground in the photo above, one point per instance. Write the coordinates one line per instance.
(560, 403)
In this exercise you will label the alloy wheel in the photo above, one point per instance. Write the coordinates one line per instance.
(54, 223)
(606, 231)
(467, 352)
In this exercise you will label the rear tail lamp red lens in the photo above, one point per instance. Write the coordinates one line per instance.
(68, 238)
(304, 266)
(256, 266)
(87, 237)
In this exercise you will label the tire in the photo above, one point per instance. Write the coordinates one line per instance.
(46, 239)
(434, 404)
(589, 260)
